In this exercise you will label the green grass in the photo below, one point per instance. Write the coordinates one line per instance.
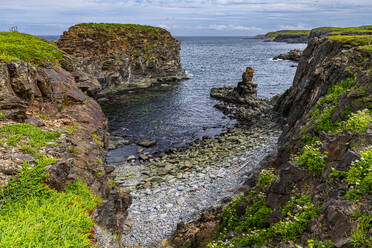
(337, 30)
(320, 244)
(97, 139)
(297, 212)
(361, 234)
(358, 122)
(287, 32)
(114, 27)
(250, 227)
(37, 137)
(352, 40)
(359, 176)
(16, 46)
(266, 178)
(72, 129)
(311, 157)
(32, 215)
(326, 105)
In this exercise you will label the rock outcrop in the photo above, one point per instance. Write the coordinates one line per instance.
(241, 102)
(315, 191)
(294, 55)
(288, 36)
(303, 36)
(292, 38)
(38, 98)
(244, 92)
(123, 57)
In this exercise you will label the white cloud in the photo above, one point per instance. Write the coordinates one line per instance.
(163, 26)
(234, 27)
(295, 27)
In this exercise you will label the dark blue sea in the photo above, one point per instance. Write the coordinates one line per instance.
(175, 116)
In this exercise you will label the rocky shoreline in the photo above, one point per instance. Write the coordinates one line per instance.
(167, 196)
(315, 189)
(293, 55)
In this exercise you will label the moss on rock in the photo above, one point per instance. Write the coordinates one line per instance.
(15, 46)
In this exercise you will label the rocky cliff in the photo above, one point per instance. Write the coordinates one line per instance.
(288, 36)
(316, 190)
(303, 36)
(48, 125)
(123, 57)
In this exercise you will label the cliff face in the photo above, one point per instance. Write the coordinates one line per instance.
(47, 122)
(123, 57)
(315, 191)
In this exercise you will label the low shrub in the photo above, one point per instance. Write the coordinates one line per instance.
(266, 178)
(311, 156)
(297, 212)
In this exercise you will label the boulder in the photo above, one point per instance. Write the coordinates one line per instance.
(117, 141)
(147, 143)
(294, 55)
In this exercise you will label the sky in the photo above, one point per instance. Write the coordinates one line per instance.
(185, 17)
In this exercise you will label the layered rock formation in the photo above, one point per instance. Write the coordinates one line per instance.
(315, 191)
(39, 98)
(288, 36)
(123, 57)
(294, 55)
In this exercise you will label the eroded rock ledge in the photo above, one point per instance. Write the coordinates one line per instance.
(123, 57)
(315, 191)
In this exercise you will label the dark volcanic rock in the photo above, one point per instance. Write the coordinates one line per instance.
(49, 97)
(121, 57)
(292, 38)
(244, 92)
(294, 55)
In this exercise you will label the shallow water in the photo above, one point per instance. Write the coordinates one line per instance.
(177, 115)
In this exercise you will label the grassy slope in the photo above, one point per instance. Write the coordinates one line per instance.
(15, 46)
(111, 27)
(337, 30)
(330, 30)
(359, 41)
(287, 32)
(32, 214)
(138, 40)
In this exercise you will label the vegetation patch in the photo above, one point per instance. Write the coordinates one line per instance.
(358, 122)
(360, 234)
(15, 46)
(311, 157)
(325, 107)
(320, 244)
(251, 227)
(97, 139)
(337, 30)
(266, 178)
(37, 137)
(287, 32)
(359, 176)
(297, 212)
(32, 215)
(115, 27)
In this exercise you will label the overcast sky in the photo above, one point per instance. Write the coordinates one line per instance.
(185, 17)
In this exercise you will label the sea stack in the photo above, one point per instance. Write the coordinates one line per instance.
(123, 57)
(244, 92)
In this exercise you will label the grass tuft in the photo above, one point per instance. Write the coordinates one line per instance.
(15, 46)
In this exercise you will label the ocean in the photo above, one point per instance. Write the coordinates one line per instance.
(176, 116)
